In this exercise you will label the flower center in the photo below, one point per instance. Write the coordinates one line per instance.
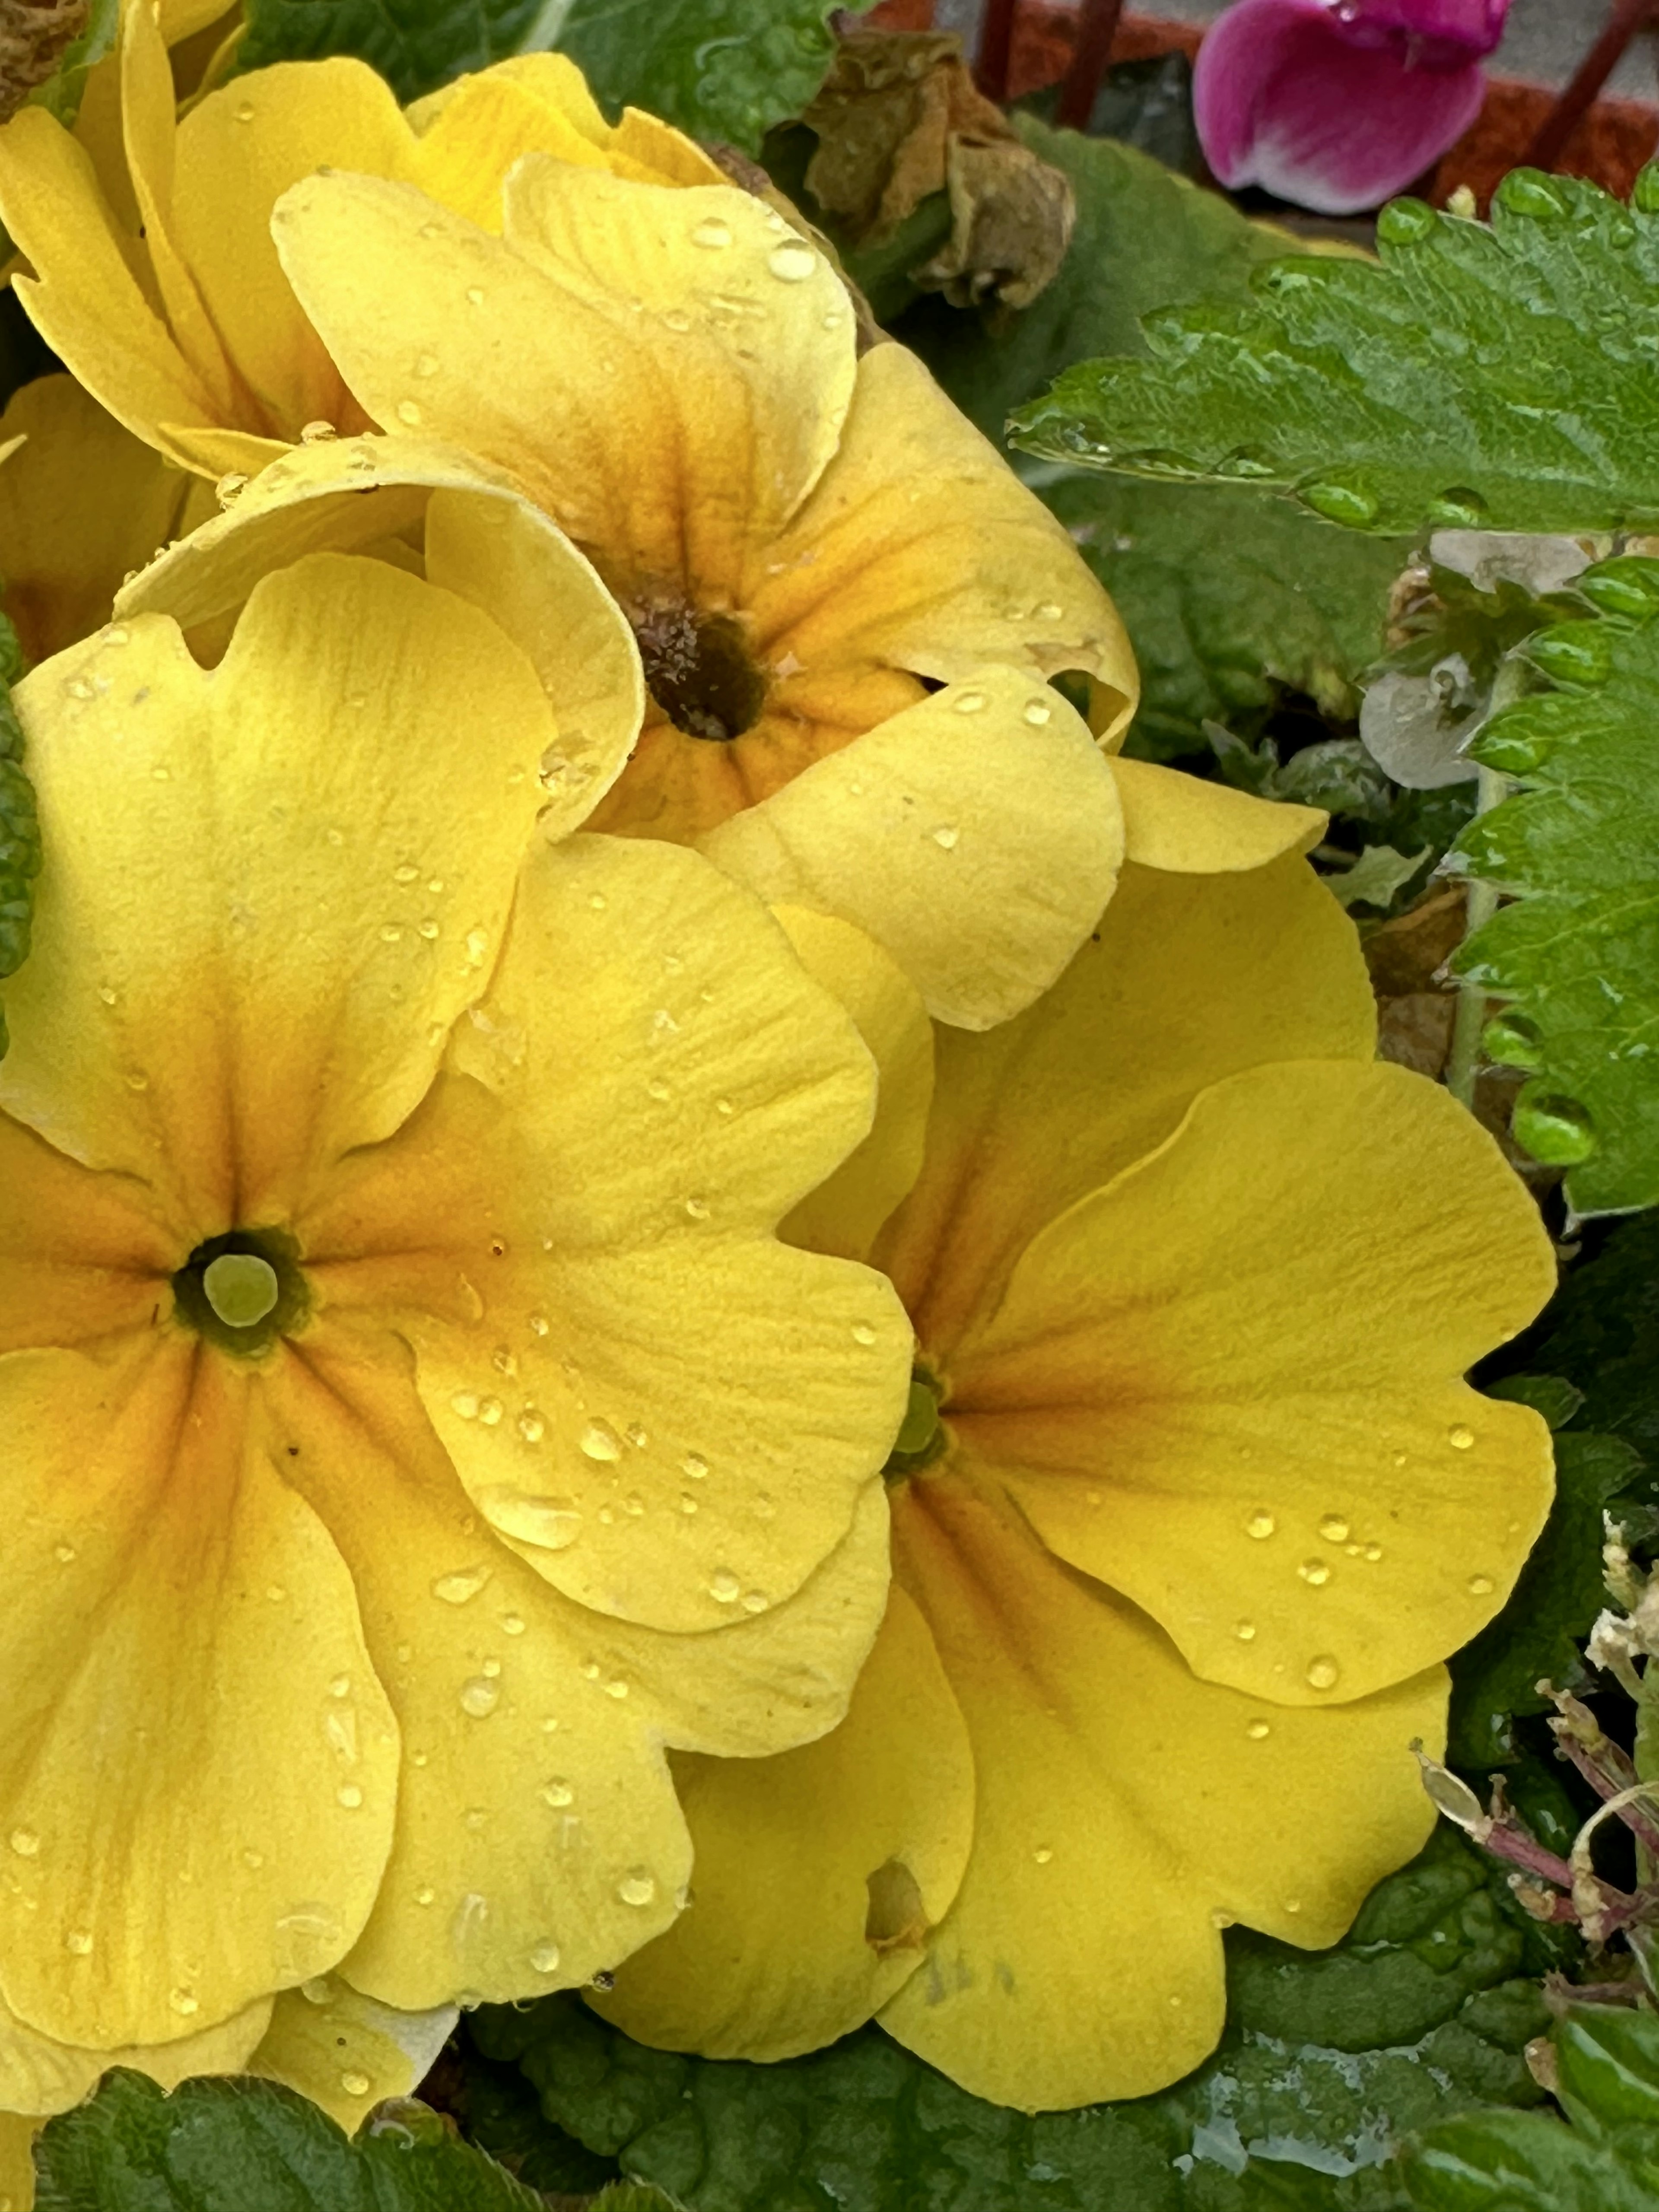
(921, 1436)
(242, 1291)
(699, 671)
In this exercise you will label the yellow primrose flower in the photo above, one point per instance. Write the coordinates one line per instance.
(1190, 1504)
(156, 281)
(82, 505)
(413, 1424)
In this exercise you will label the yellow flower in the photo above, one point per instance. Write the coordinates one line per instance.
(1190, 1504)
(82, 504)
(156, 281)
(413, 1423)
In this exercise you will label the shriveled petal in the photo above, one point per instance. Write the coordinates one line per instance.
(1119, 1797)
(1189, 827)
(41, 2077)
(198, 1812)
(663, 438)
(975, 836)
(81, 503)
(1231, 1383)
(1185, 980)
(817, 1875)
(273, 886)
(1286, 96)
(844, 1213)
(538, 1838)
(89, 305)
(674, 1413)
(344, 2051)
(922, 549)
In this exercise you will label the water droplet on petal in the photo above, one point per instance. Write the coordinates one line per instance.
(711, 233)
(1244, 1630)
(792, 262)
(185, 2003)
(475, 297)
(465, 1582)
(25, 1843)
(946, 837)
(969, 702)
(78, 1941)
(408, 413)
(350, 1795)
(1459, 1437)
(544, 1958)
(1257, 1729)
(1037, 712)
(1334, 1528)
(1322, 1673)
(479, 1696)
(637, 1887)
(1315, 1572)
(558, 1793)
(599, 1441)
(354, 2084)
(862, 1332)
(694, 1466)
(1260, 1525)
(724, 1588)
(1480, 1585)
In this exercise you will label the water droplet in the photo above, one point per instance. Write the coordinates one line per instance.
(862, 1332)
(317, 433)
(477, 944)
(637, 1887)
(79, 1942)
(1373, 1553)
(1339, 502)
(711, 233)
(350, 1795)
(25, 1843)
(755, 1602)
(694, 1466)
(1261, 1524)
(792, 262)
(185, 2003)
(1526, 192)
(1219, 1918)
(969, 702)
(480, 1696)
(426, 364)
(946, 838)
(230, 488)
(1405, 223)
(475, 297)
(1257, 1729)
(1557, 1131)
(1037, 712)
(1044, 1854)
(1480, 1585)
(137, 1080)
(599, 1441)
(698, 1209)
(677, 321)
(1459, 1437)
(1334, 1528)
(63, 1554)
(408, 413)
(1322, 1673)
(544, 1958)
(1315, 1572)
(598, 902)
(425, 1896)
(489, 1413)
(558, 1793)
(244, 113)
(465, 1582)
(616, 1688)
(340, 1686)
(530, 1425)
(724, 1586)
(687, 1503)
(724, 1108)
(354, 2084)
(1244, 1630)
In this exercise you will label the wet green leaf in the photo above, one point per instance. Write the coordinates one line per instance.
(1482, 376)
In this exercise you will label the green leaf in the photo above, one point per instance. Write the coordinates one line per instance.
(61, 94)
(1480, 377)
(220, 2145)
(1576, 955)
(1560, 1593)
(1419, 2015)
(721, 70)
(1603, 2161)
(1602, 1333)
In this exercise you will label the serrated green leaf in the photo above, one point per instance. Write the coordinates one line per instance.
(721, 70)
(1480, 377)
(1421, 2012)
(1557, 1598)
(1576, 955)
(220, 2145)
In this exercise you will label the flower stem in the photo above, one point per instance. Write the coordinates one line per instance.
(1492, 788)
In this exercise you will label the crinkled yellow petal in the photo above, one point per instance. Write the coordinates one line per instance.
(273, 886)
(844, 1213)
(922, 549)
(39, 2076)
(87, 305)
(1186, 980)
(1182, 823)
(538, 1838)
(1231, 1383)
(664, 440)
(82, 504)
(198, 1767)
(817, 1876)
(239, 151)
(344, 2051)
(674, 1413)
(148, 109)
(975, 837)
(1124, 1809)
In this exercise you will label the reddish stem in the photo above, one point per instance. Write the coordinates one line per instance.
(996, 47)
(1628, 17)
(1520, 1850)
(1091, 58)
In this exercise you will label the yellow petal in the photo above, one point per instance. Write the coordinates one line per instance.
(344, 2051)
(81, 503)
(922, 549)
(537, 1839)
(843, 1214)
(17, 2133)
(81, 1255)
(1123, 1802)
(1190, 827)
(39, 2076)
(241, 967)
(1185, 980)
(87, 305)
(1230, 1383)
(239, 151)
(663, 450)
(975, 837)
(817, 1875)
(195, 1813)
(673, 1413)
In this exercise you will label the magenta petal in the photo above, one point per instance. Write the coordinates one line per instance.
(1284, 97)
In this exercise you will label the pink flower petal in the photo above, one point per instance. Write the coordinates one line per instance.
(1335, 111)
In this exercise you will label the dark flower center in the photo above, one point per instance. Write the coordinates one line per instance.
(243, 1290)
(699, 671)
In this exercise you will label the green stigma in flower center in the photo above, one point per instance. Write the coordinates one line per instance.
(921, 1436)
(242, 1291)
(699, 669)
